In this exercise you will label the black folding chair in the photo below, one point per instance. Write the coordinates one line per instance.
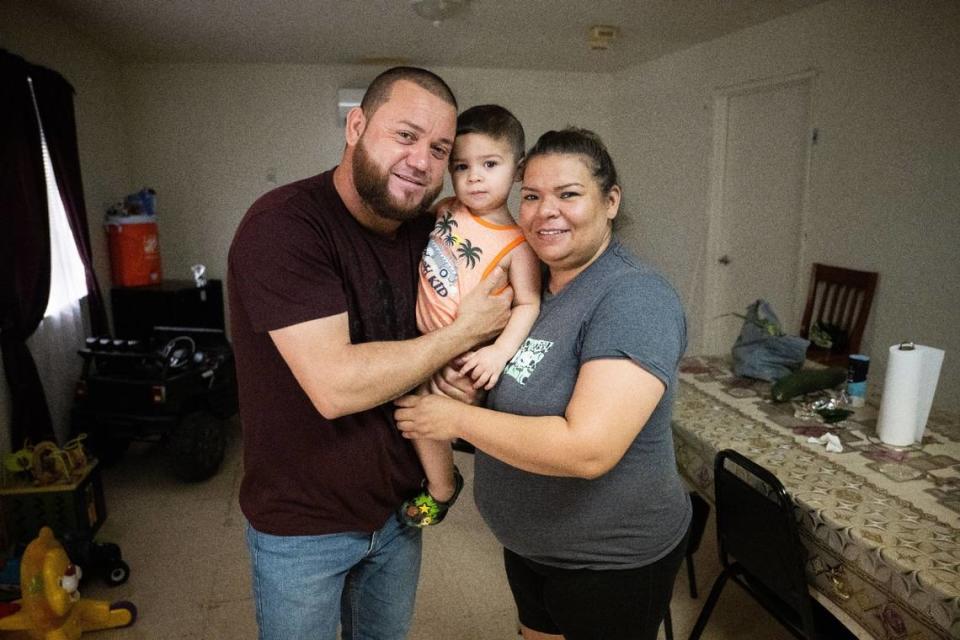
(760, 550)
(701, 511)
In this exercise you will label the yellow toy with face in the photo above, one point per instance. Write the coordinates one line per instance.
(51, 606)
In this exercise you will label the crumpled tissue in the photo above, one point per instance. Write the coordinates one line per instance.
(832, 442)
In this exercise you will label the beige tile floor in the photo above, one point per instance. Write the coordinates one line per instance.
(190, 580)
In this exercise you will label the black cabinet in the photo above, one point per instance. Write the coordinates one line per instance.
(172, 303)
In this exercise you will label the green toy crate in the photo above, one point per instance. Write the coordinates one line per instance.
(71, 510)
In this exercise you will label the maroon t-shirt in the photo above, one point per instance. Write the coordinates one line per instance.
(299, 255)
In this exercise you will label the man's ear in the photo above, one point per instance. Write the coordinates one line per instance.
(356, 124)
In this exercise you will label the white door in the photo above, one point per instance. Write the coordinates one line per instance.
(758, 191)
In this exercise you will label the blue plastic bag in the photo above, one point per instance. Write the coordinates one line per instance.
(762, 350)
(143, 202)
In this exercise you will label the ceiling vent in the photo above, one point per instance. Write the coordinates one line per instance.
(600, 36)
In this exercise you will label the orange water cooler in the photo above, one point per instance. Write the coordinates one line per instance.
(134, 246)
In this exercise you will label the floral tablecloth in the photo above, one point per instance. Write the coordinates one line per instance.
(881, 524)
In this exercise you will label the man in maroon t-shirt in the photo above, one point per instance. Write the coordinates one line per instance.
(322, 288)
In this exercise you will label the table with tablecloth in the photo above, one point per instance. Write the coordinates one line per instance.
(881, 524)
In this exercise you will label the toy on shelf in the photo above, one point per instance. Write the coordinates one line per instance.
(51, 607)
(45, 463)
(44, 485)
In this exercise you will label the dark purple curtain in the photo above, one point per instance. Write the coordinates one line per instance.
(25, 255)
(55, 103)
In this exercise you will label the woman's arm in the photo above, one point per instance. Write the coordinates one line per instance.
(611, 403)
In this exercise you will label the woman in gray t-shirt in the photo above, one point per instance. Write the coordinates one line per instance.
(575, 470)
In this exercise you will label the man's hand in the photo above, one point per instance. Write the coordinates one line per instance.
(485, 310)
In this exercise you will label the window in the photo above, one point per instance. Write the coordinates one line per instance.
(68, 282)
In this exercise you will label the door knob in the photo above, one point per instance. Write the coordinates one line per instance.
(724, 260)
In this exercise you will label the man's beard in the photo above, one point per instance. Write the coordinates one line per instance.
(372, 186)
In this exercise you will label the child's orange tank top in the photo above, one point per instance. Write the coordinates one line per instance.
(462, 250)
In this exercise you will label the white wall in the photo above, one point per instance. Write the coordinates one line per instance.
(27, 30)
(885, 175)
(884, 181)
(207, 137)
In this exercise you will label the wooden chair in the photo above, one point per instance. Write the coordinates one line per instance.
(841, 299)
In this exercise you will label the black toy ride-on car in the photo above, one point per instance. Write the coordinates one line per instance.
(101, 559)
(179, 386)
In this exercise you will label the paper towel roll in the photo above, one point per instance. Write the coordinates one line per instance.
(908, 389)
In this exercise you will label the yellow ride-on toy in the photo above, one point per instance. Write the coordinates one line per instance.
(51, 607)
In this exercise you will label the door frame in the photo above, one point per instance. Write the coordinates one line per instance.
(715, 213)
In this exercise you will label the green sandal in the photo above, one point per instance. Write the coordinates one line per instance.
(424, 510)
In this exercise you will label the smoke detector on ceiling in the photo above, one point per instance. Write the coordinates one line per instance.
(436, 11)
(600, 35)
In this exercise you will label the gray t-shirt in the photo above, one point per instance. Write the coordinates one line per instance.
(637, 512)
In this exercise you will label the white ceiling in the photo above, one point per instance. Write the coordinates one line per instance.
(526, 34)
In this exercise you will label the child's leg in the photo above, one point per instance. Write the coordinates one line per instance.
(436, 457)
(437, 460)
(443, 482)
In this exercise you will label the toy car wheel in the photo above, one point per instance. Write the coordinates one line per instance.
(118, 574)
(198, 443)
(129, 606)
(105, 448)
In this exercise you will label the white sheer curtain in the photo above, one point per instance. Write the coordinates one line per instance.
(61, 332)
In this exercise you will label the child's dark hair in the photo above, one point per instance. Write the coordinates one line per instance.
(582, 142)
(494, 121)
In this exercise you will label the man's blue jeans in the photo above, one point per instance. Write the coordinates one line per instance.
(304, 585)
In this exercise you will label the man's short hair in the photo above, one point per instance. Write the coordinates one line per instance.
(379, 90)
(494, 121)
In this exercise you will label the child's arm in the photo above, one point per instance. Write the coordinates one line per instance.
(485, 365)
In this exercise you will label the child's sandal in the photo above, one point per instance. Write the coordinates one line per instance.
(424, 510)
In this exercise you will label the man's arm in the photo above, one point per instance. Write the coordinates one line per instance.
(341, 378)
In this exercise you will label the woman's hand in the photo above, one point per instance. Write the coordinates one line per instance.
(430, 417)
